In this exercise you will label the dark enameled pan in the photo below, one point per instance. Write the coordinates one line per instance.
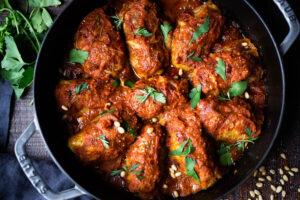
(49, 124)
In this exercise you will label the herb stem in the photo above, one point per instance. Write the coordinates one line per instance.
(14, 16)
(32, 43)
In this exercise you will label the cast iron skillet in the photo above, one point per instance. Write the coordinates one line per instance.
(49, 124)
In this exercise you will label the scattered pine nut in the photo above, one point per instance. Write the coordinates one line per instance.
(247, 96)
(291, 173)
(262, 168)
(285, 178)
(273, 188)
(175, 77)
(174, 167)
(121, 130)
(165, 186)
(272, 171)
(257, 192)
(286, 168)
(295, 169)
(154, 119)
(252, 194)
(261, 179)
(180, 73)
(271, 197)
(278, 189)
(299, 190)
(150, 130)
(283, 193)
(117, 124)
(264, 172)
(259, 184)
(260, 197)
(269, 178)
(281, 181)
(244, 44)
(172, 175)
(280, 171)
(283, 155)
(122, 174)
(175, 194)
(255, 173)
(65, 108)
(177, 174)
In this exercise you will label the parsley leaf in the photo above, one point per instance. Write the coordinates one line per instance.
(105, 112)
(165, 29)
(220, 69)
(237, 88)
(43, 3)
(104, 141)
(249, 132)
(118, 22)
(41, 20)
(195, 96)
(140, 177)
(189, 164)
(129, 83)
(179, 151)
(116, 83)
(116, 172)
(204, 28)
(195, 58)
(133, 167)
(81, 87)
(224, 155)
(142, 31)
(78, 56)
(152, 93)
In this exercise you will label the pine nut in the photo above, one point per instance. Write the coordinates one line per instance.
(255, 173)
(150, 130)
(295, 169)
(252, 194)
(154, 119)
(271, 197)
(247, 96)
(286, 168)
(121, 130)
(65, 108)
(262, 168)
(122, 174)
(117, 124)
(283, 155)
(180, 73)
(257, 192)
(281, 181)
(175, 194)
(272, 171)
(165, 186)
(260, 197)
(259, 184)
(269, 178)
(273, 188)
(261, 179)
(283, 193)
(278, 189)
(177, 174)
(280, 171)
(291, 173)
(285, 178)
(174, 167)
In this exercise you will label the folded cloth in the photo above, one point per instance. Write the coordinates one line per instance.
(5, 98)
(14, 185)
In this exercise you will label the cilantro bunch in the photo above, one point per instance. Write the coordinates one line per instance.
(20, 41)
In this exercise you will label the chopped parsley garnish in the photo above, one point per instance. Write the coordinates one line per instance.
(189, 164)
(129, 129)
(204, 28)
(118, 22)
(106, 112)
(129, 83)
(195, 58)
(179, 151)
(142, 31)
(116, 83)
(131, 170)
(78, 56)
(224, 152)
(81, 87)
(236, 89)
(220, 69)
(104, 141)
(150, 91)
(195, 96)
(165, 29)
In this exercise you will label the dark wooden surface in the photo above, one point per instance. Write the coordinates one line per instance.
(288, 141)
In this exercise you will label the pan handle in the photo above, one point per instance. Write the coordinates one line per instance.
(32, 174)
(293, 23)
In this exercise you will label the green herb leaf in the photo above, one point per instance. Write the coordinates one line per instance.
(138, 172)
(43, 3)
(46, 18)
(116, 83)
(118, 22)
(81, 87)
(195, 95)
(224, 98)
(129, 129)
(140, 177)
(249, 132)
(125, 168)
(129, 83)
(179, 151)
(105, 112)
(153, 94)
(204, 28)
(134, 166)
(189, 164)
(104, 141)
(220, 69)
(78, 56)
(116, 172)
(195, 58)
(237, 88)
(142, 31)
(165, 29)
(224, 155)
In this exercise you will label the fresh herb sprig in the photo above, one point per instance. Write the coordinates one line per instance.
(189, 165)
(143, 32)
(195, 95)
(204, 28)
(78, 56)
(165, 29)
(236, 89)
(194, 57)
(105, 112)
(225, 158)
(104, 141)
(132, 170)
(221, 69)
(150, 91)
(81, 87)
(22, 30)
(179, 151)
(118, 22)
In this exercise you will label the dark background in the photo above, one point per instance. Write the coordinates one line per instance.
(288, 141)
